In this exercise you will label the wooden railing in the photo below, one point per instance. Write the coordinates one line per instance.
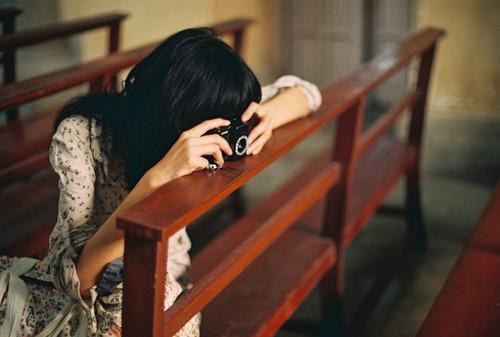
(150, 223)
(9, 43)
(98, 71)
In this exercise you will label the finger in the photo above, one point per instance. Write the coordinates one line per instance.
(214, 139)
(211, 150)
(201, 163)
(252, 108)
(259, 129)
(257, 145)
(205, 126)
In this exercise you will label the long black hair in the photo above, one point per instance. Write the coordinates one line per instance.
(191, 77)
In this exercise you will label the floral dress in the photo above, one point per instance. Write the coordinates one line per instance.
(42, 297)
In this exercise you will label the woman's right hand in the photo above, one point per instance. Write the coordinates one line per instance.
(186, 155)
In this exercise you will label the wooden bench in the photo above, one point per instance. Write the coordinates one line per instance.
(29, 209)
(8, 15)
(10, 43)
(469, 302)
(251, 278)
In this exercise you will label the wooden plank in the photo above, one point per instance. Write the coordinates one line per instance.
(376, 175)
(144, 269)
(21, 138)
(233, 251)
(59, 30)
(27, 217)
(259, 301)
(468, 304)
(486, 233)
(383, 123)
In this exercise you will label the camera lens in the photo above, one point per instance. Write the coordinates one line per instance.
(241, 146)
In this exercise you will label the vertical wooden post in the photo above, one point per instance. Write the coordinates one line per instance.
(144, 287)
(413, 204)
(98, 85)
(332, 286)
(113, 46)
(9, 55)
(237, 198)
(239, 35)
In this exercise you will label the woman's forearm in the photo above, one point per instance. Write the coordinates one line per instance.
(287, 106)
(107, 244)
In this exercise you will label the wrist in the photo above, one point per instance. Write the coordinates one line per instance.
(155, 178)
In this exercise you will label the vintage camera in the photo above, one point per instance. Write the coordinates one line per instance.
(236, 134)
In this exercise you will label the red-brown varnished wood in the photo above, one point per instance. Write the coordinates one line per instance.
(384, 123)
(486, 233)
(29, 212)
(8, 15)
(234, 250)
(148, 316)
(19, 139)
(468, 304)
(49, 32)
(376, 174)
(260, 300)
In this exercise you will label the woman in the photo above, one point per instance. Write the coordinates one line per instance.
(110, 151)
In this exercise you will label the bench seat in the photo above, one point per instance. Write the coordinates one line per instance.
(469, 302)
(263, 297)
(377, 171)
(29, 213)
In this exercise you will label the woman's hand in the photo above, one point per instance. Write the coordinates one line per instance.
(186, 155)
(260, 134)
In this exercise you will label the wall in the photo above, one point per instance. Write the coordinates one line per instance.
(154, 20)
(464, 120)
(467, 76)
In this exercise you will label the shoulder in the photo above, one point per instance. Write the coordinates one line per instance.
(72, 141)
(74, 127)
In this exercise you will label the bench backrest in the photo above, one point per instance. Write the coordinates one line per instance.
(9, 43)
(8, 16)
(149, 224)
(28, 157)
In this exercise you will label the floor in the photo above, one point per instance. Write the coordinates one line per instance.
(451, 208)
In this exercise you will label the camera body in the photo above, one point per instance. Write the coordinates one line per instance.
(236, 134)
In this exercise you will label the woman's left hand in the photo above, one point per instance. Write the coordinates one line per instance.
(260, 134)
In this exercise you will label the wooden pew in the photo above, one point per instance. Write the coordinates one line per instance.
(10, 43)
(469, 302)
(8, 15)
(249, 280)
(29, 210)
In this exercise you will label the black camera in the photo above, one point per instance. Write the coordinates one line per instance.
(236, 134)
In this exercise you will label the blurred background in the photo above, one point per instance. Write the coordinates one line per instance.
(321, 41)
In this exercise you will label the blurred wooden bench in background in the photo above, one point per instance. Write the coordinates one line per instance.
(250, 279)
(28, 193)
(469, 302)
(11, 42)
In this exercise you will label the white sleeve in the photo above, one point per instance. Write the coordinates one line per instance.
(309, 89)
